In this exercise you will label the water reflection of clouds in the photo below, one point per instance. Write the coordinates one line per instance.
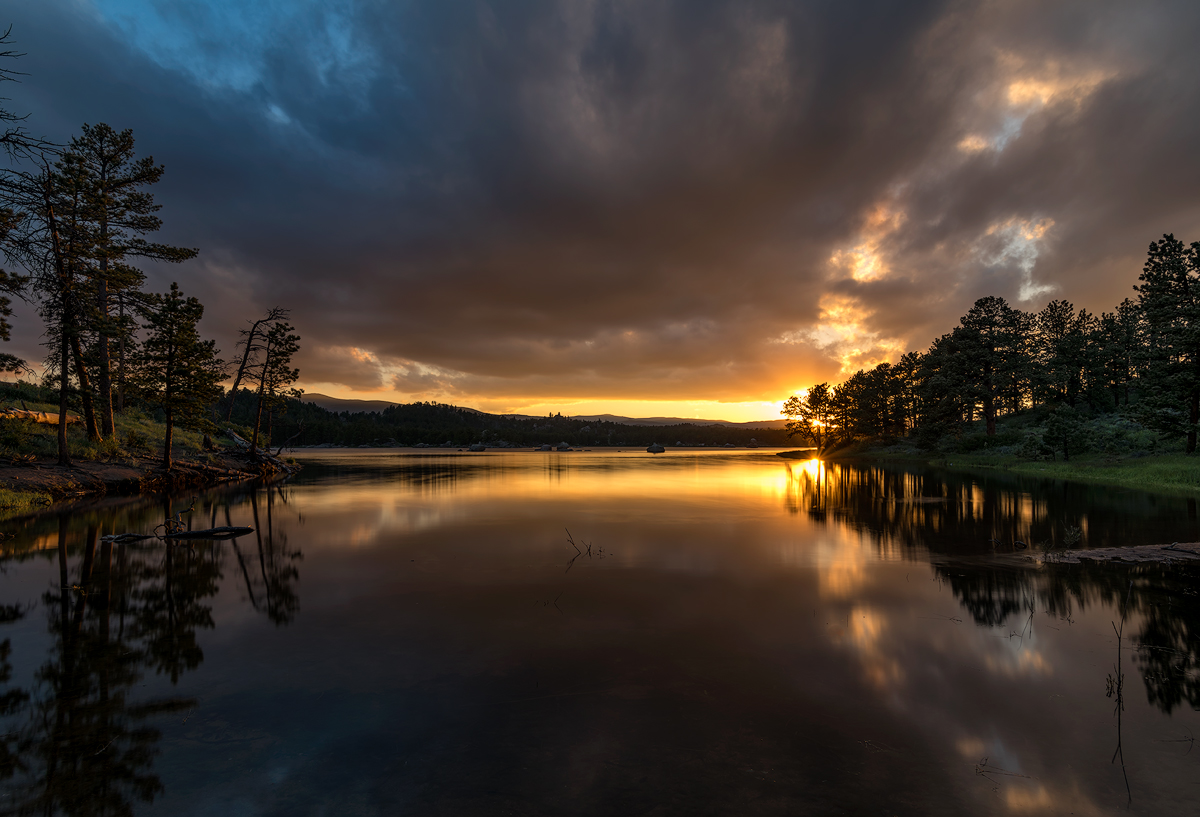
(867, 630)
(846, 528)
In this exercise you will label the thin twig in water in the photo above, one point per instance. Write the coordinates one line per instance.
(1116, 688)
(1189, 740)
(986, 770)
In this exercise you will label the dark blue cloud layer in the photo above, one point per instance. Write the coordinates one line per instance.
(632, 199)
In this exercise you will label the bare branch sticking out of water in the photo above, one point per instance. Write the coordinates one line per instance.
(1189, 740)
(585, 551)
(986, 770)
(553, 601)
(1116, 689)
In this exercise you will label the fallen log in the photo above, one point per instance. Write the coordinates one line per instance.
(1140, 553)
(43, 417)
(223, 532)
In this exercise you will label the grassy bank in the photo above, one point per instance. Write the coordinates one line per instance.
(1160, 472)
(139, 434)
(129, 463)
(21, 502)
(1116, 450)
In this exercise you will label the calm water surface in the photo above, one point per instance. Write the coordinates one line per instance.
(730, 633)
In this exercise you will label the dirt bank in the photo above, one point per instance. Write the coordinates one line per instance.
(127, 477)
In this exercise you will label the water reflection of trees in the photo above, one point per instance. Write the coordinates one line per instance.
(1162, 601)
(272, 588)
(922, 507)
(79, 742)
(957, 517)
(76, 738)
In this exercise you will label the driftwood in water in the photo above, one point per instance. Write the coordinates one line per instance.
(224, 532)
(1139, 553)
(124, 538)
(43, 417)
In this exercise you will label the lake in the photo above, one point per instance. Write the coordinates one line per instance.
(517, 632)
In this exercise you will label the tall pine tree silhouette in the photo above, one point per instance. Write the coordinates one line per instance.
(175, 370)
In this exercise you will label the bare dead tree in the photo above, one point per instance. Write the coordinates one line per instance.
(14, 139)
(251, 340)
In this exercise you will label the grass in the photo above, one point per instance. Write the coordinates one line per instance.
(13, 503)
(1174, 472)
(137, 434)
(1117, 451)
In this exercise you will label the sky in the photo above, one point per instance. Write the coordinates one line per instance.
(689, 208)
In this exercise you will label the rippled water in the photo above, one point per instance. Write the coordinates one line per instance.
(730, 633)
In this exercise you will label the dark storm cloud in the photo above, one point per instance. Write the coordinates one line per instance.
(689, 200)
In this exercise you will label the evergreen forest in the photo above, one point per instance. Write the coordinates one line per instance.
(1038, 385)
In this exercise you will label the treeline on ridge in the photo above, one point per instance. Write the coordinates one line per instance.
(300, 423)
(1124, 379)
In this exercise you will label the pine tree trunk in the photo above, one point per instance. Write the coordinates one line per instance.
(257, 422)
(167, 442)
(262, 382)
(121, 361)
(64, 456)
(104, 388)
(104, 379)
(241, 371)
(85, 391)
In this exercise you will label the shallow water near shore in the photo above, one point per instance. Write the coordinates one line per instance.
(517, 632)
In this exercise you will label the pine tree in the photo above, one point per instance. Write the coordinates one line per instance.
(1169, 299)
(991, 355)
(811, 417)
(1065, 431)
(275, 373)
(176, 370)
(119, 211)
(252, 344)
(46, 238)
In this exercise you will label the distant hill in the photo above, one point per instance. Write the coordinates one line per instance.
(338, 404)
(674, 421)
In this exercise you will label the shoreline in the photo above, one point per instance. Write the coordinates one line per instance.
(1173, 473)
(37, 487)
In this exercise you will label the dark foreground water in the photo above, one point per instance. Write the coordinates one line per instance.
(736, 634)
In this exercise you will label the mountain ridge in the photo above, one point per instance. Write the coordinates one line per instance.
(353, 406)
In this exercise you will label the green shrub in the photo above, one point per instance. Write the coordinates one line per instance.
(1032, 448)
(14, 433)
(136, 441)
